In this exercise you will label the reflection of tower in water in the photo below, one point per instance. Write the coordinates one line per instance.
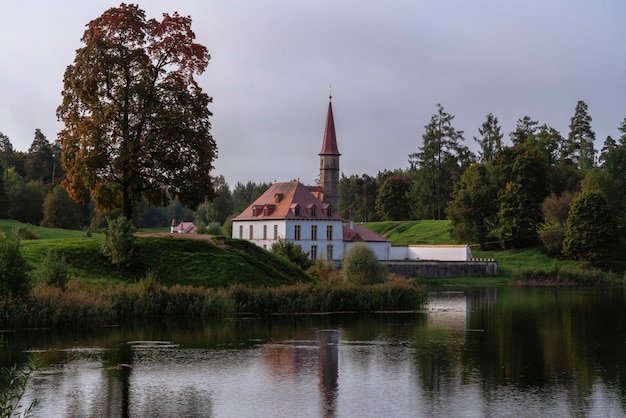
(329, 370)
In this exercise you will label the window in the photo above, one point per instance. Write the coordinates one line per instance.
(275, 231)
(265, 211)
(251, 231)
(329, 232)
(329, 252)
(313, 252)
(296, 232)
(297, 210)
(312, 210)
(240, 231)
(264, 231)
(329, 211)
(314, 232)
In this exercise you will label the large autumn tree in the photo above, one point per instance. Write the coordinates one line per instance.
(136, 121)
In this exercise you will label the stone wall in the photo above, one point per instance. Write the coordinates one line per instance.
(442, 269)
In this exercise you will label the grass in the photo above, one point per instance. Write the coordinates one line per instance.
(510, 262)
(414, 232)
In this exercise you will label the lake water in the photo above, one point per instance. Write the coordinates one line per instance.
(475, 352)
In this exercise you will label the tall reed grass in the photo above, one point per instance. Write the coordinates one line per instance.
(87, 304)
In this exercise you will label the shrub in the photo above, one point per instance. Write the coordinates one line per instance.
(215, 228)
(13, 278)
(25, 231)
(292, 253)
(118, 242)
(13, 384)
(361, 266)
(55, 270)
(201, 228)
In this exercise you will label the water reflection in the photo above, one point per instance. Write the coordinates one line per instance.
(474, 352)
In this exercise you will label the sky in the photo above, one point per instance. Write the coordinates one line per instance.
(390, 62)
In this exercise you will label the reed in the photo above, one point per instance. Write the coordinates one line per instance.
(87, 304)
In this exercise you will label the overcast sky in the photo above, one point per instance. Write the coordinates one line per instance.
(389, 62)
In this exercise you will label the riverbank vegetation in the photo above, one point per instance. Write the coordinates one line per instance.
(72, 283)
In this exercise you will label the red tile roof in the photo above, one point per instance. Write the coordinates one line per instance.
(283, 201)
(361, 233)
(329, 146)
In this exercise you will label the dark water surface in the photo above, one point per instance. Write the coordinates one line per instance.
(482, 352)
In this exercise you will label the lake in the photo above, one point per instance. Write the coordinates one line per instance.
(475, 352)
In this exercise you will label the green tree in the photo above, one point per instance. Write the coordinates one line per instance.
(549, 142)
(4, 201)
(360, 266)
(591, 230)
(357, 198)
(218, 209)
(439, 163)
(118, 243)
(524, 129)
(136, 122)
(490, 140)
(39, 160)
(244, 194)
(13, 278)
(555, 210)
(520, 175)
(622, 129)
(581, 138)
(608, 146)
(473, 208)
(291, 252)
(25, 199)
(391, 202)
(59, 211)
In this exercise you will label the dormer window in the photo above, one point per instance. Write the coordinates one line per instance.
(254, 211)
(278, 197)
(329, 211)
(266, 211)
(297, 210)
(313, 210)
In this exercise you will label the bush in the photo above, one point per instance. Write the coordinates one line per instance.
(13, 384)
(118, 242)
(292, 253)
(361, 266)
(25, 231)
(201, 228)
(215, 228)
(55, 270)
(13, 278)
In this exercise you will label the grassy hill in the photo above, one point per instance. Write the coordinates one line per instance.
(213, 262)
(436, 232)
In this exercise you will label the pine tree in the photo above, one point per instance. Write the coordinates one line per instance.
(439, 163)
(607, 147)
(581, 138)
(490, 141)
(525, 128)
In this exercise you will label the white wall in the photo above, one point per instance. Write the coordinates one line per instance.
(431, 252)
(381, 249)
(286, 229)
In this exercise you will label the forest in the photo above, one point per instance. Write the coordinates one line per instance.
(544, 188)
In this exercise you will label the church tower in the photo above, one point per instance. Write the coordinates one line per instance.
(329, 162)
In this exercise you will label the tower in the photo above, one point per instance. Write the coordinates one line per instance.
(329, 161)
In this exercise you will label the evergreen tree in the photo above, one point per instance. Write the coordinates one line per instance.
(490, 140)
(39, 160)
(472, 210)
(4, 202)
(622, 129)
(607, 147)
(591, 230)
(525, 128)
(439, 163)
(357, 197)
(549, 141)
(581, 138)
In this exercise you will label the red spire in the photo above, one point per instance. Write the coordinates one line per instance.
(329, 146)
